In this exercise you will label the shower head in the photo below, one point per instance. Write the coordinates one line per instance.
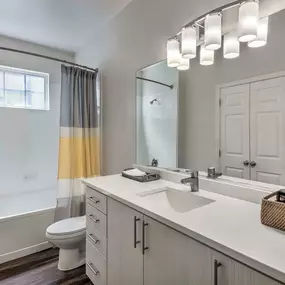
(152, 101)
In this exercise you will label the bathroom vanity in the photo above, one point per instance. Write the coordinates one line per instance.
(159, 233)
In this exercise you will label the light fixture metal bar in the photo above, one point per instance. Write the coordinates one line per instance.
(217, 10)
(156, 82)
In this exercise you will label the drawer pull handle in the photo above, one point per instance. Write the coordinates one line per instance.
(96, 221)
(94, 239)
(217, 264)
(135, 231)
(95, 271)
(93, 200)
(144, 247)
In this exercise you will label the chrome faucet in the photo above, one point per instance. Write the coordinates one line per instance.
(193, 180)
(212, 173)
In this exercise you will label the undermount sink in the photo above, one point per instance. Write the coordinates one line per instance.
(180, 201)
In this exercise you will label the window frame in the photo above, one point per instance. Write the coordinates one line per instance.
(25, 72)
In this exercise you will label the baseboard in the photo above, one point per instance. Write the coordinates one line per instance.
(24, 251)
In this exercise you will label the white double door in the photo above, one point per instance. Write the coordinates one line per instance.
(252, 131)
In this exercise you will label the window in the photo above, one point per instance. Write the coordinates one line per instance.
(23, 89)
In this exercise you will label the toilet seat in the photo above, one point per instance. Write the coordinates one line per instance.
(67, 228)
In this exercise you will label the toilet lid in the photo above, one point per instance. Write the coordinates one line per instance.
(68, 226)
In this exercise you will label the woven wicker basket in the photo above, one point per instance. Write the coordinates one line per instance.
(273, 212)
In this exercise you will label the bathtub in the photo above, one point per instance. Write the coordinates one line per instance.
(23, 221)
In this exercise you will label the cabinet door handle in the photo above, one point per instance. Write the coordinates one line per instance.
(135, 231)
(246, 163)
(95, 271)
(144, 248)
(93, 238)
(253, 164)
(96, 221)
(93, 200)
(217, 264)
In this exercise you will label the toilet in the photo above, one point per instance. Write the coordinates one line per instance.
(69, 235)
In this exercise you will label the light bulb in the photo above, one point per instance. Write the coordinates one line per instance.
(184, 64)
(231, 45)
(213, 32)
(173, 53)
(262, 32)
(188, 42)
(206, 56)
(248, 20)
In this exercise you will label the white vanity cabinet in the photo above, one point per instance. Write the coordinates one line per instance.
(137, 250)
(173, 258)
(144, 251)
(96, 236)
(231, 272)
(125, 261)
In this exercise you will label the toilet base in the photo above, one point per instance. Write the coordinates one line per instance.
(70, 259)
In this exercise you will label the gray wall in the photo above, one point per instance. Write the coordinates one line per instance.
(133, 40)
(197, 116)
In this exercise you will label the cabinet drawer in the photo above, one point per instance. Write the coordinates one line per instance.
(97, 239)
(97, 218)
(95, 265)
(96, 199)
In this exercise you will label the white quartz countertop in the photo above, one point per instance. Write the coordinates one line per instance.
(229, 225)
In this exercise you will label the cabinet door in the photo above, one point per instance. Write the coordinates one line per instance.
(125, 262)
(173, 258)
(231, 272)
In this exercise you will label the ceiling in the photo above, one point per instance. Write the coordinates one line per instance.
(71, 24)
(62, 24)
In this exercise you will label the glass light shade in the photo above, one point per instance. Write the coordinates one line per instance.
(173, 53)
(248, 21)
(188, 42)
(231, 45)
(213, 32)
(262, 31)
(184, 64)
(206, 56)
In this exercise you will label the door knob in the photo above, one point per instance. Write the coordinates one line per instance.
(253, 164)
(246, 163)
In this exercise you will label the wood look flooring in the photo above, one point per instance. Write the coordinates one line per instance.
(40, 269)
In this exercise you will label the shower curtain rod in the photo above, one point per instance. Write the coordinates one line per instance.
(48, 57)
(157, 82)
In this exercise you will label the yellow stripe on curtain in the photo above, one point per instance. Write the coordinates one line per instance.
(79, 157)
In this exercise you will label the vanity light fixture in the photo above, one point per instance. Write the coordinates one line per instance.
(184, 63)
(249, 29)
(231, 45)
(248, 21)
(262, 31)
(189, 42)
(213, 31)
(206, 56)
(173, 53)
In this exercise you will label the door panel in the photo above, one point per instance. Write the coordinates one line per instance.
(232, 272)
(235, 131)
(267, 137)
(173, 258)
(125, 263)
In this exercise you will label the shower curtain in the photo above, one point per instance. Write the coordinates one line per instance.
(79, 150)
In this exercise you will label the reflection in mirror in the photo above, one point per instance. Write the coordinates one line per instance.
(157, 114)
(230, 115)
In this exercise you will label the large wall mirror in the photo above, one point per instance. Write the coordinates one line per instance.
(230, 115)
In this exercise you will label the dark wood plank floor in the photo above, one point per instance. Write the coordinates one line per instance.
(40, 269)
